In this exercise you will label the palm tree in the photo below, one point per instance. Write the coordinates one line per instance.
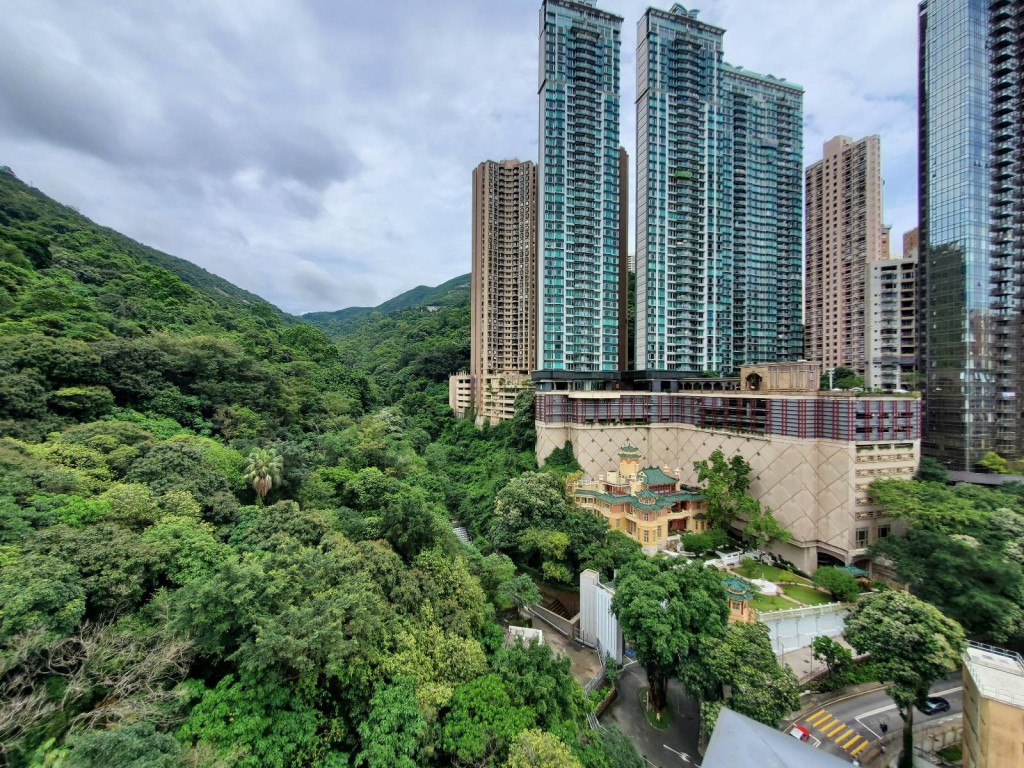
(263, 470)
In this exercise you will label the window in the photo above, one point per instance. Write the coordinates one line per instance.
(861, 537)
(884, 530)
(646, 535)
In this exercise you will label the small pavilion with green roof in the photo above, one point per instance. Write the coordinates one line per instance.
(740, 593)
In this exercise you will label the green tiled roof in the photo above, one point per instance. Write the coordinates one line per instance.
(737, 588)
(655, 476)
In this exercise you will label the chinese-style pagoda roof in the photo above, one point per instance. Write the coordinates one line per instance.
(629, 452)
(737, 588)
(655, 476)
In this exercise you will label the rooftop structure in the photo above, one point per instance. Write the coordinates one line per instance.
(740, 742)
(993, 707)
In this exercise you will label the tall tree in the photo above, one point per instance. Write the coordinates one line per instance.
(393, 732)
(668, 611)
(751, 680)
(726, 487)
(912, 644)
(263, 469)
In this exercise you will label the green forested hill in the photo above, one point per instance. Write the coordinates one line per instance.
(28, 216)
(454, 293)
(225, 541)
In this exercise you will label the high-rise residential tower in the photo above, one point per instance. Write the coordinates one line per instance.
(579, 248)
(971, 226)
(891, 319)
(718, 243)
(503, 290)
(844, 235)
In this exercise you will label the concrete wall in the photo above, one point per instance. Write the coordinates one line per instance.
(597, 623)
(793, 629)
(816, 488)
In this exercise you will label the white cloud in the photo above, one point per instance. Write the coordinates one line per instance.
(319, 153)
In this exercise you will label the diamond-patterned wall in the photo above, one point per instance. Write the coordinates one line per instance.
(809, 484)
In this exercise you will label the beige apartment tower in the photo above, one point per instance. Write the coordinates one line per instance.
(993, 708)
(503, 291)
(844, 234)
(892, 320)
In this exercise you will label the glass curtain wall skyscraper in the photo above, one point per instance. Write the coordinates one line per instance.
(579, 207)
(719, 190)
(972, 228)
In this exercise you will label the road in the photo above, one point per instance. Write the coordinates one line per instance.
(852, 728)
(676, 745)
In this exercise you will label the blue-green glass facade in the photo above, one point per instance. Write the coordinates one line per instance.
(719, 203)
(578, 175)
(956, 311)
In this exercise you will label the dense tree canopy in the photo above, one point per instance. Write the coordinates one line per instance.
(226, 540)
(670, 611)
(963, 551)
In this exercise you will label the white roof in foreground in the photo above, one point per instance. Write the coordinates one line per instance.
(996, 673)
(739, 742)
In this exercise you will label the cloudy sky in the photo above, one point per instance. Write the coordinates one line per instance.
(319, 152)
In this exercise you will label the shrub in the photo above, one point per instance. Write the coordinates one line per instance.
(842, 585)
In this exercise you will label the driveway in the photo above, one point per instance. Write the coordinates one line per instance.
(662, 748)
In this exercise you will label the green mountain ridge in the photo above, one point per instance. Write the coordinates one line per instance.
(21, 202)
(453, 293)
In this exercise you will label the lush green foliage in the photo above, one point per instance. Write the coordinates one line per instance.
(725, 490)
(748, 677)
(963, 551)
(222, 545)
(842, 585)
(671, 612)
(842, 378)
(911, 644)
(836, 657)
(726, 484)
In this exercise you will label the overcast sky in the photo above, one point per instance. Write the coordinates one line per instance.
(319, 153)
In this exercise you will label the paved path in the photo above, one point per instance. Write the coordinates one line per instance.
(663, 748)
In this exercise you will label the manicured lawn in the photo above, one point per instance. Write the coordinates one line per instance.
(766, 603)
(755, 570)
(807, 595)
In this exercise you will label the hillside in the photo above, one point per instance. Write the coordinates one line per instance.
(217, 548)
(91, 321)
(454, 293)
(26, 210)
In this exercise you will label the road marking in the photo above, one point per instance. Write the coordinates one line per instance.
(819, 713)
(860, 718)
(819, 718)
(821, 725)
(851, 742)
(843, 736)
(833, 731)
(859, 749)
